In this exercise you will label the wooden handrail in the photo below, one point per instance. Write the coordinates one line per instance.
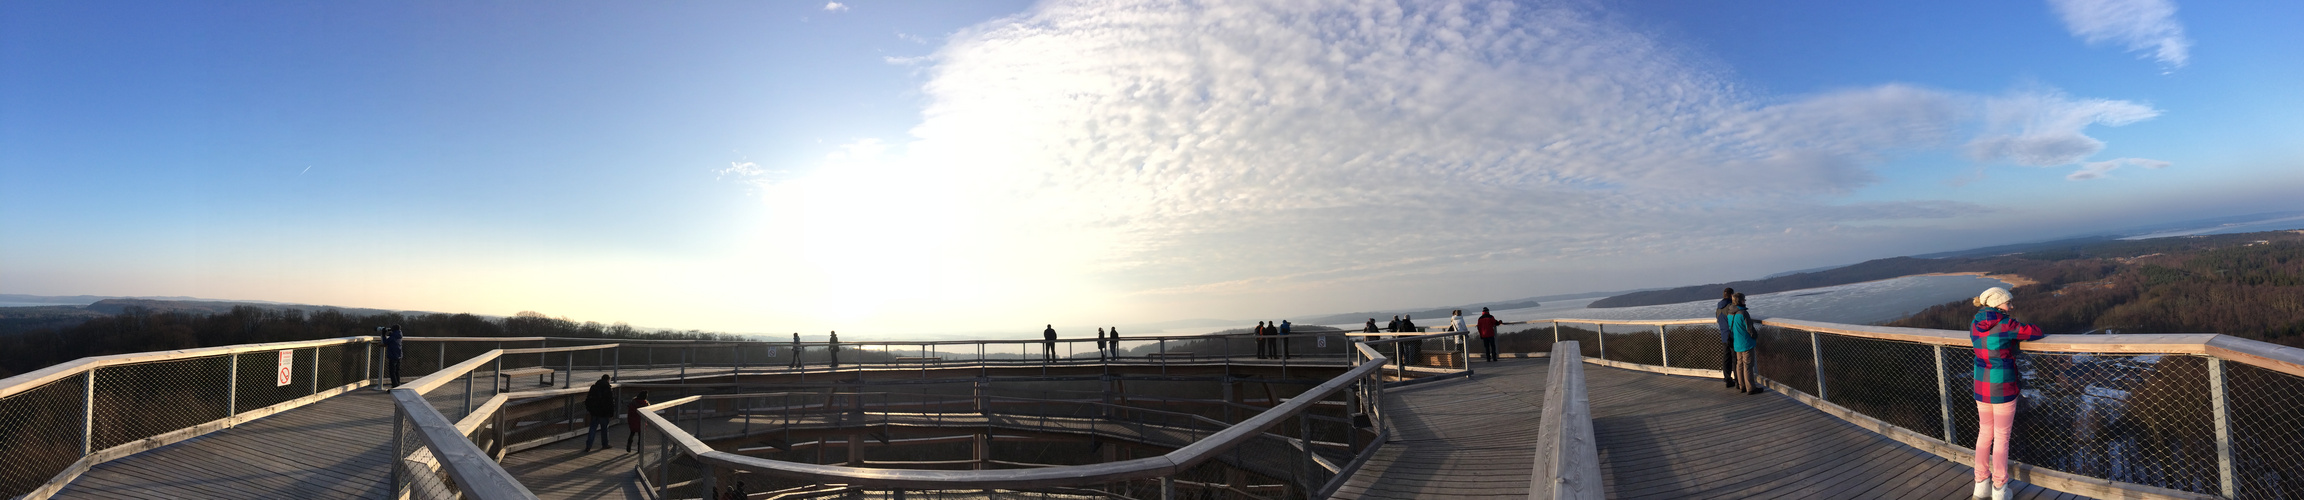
(1567, 454)
(36, 378)
(2266, 355)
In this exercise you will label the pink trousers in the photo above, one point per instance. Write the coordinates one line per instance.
(1993, 424)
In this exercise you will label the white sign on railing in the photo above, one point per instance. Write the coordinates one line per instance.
(287, 364)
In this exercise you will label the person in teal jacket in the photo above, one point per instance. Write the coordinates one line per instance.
(1739, 319)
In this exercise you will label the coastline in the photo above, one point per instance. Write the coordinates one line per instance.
(2012, 280)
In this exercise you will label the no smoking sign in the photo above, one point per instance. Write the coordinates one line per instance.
(287, 366)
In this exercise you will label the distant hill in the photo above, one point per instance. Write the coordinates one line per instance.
(116, 306)
(2246, 285)
(2045, 262)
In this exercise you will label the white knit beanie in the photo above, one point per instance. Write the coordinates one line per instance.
(1994, 297)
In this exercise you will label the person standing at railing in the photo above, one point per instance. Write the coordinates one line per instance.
(1114, 344)
(1259, 336)
(1996, 338)
(1048, 344)
(1413, 349)
(392, 352)
(1741, 339)
(1727, 337)
(1286, 347)
(832, 349)
(600, 405)
(795, 350)
(1487, 326)
(1100, 344)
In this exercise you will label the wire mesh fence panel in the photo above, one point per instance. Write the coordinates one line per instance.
(1891, 381)
(1530, 338)
(1634, 344)
(1694, 346)
(263, 382)
(148, 399)
(1784, 355)
(42, 434)
(2267, 423)
(1959, 380)
(1587, 337)
(418, 470)
(341, 365)
(2137, 419)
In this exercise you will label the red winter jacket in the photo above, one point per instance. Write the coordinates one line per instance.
(1488, 326)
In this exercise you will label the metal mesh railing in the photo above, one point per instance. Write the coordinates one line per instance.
(42, 428)
(1785, 356)
(1891, 381)
(148, 399)
(2266, 411)
(416, 472)
(2145, 419)
(1640, 344)
(1694, 346)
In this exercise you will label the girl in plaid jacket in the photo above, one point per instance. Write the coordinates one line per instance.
(1997, 385)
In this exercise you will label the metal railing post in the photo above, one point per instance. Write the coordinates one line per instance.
(569, 364)
(1601, 331)
(87, 412)
(1167, 487)
(368, 361)
(496, 383)
(315, 370)
(685, 354)
(1943, 393)
(1555, 332)
(2217, 402)
(617, 371)
(467, 394)
(1663, 347)
(737, 374)
(232, 381)
(1816, 352)
(443, 357)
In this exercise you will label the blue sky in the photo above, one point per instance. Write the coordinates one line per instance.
(942, 166)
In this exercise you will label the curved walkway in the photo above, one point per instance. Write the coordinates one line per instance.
(1460, 438)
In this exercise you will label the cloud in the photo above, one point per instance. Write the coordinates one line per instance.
(2102, 169)
(2045, 127)
(1157, 148)
(835, 7)
(2147, 26)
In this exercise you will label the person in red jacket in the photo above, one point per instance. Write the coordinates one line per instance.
(1997, 385)
(1487, 326)
(632, 419)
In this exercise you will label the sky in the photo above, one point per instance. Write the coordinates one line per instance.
(919, 167)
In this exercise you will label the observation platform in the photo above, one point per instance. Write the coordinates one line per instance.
(1660, 436)
(1640, 408)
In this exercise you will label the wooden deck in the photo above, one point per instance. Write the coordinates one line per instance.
(339, 447)
(1459, 439)
(1664, 436)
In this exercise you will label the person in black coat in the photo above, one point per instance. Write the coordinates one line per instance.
(600, 404)
(1048, 346)
(1727, 344)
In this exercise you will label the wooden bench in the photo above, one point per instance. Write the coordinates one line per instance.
(926, 360)
(543, 375)
(1171, 354)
